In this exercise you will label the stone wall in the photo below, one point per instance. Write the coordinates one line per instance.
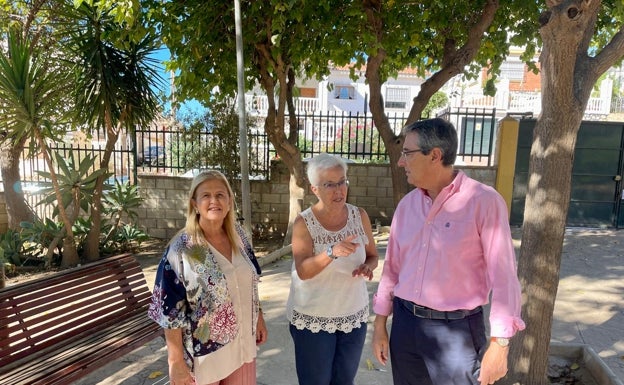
(164, 208)
(163, 211)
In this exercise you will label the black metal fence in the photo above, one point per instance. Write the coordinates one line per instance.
(169, 151)
(173, 151)
(350, 135)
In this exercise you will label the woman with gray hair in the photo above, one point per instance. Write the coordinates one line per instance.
(206, 292)
(334, 253)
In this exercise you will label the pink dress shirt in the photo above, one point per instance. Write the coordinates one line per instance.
(450, 254)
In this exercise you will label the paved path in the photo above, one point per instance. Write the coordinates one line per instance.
(589, 309)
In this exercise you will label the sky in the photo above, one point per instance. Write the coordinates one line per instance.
(186, 108)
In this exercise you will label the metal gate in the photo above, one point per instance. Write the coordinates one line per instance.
(596, 198)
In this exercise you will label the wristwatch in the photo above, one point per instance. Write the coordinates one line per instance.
(501, 341)
(330, 252)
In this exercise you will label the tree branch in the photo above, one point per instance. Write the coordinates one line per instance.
(610, 54)
(454, 60)
(466, 53)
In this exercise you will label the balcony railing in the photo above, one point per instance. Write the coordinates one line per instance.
(505, 101)
(258, 105)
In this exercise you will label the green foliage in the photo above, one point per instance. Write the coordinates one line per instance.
(41, 234)
(124, 238)
(212, 141)
(437, 101)
(420, 35)
(114, 75)
(35, 239)
(121, 200)
(32, 92)
(11, 246)
(75, 180)
(304, 144)
(118, 203)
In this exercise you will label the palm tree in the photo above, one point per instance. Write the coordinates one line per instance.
(26, 17)
(115, 79)
(32, 96)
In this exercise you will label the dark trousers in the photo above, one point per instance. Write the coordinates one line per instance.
(435, 352)
(327, 358)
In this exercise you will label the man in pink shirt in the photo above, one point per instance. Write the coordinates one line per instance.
(450, 247)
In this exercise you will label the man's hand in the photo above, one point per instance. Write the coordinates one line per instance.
(380, 339)
(494, 364)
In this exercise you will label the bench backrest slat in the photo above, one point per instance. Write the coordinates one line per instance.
(36, 315)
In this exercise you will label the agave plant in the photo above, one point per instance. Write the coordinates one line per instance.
(121, 200)
(118, 203)
(44, 237)
(76, 182)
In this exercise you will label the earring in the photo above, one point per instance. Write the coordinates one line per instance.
(196, 211)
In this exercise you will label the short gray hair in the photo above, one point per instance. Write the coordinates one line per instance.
(322, 162)
(435, 132)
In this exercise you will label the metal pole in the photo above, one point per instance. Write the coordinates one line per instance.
(242, 125)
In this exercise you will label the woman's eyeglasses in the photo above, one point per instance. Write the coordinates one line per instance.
(335, 185)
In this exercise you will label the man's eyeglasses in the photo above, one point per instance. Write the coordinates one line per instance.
(335, 185)
(405, 153)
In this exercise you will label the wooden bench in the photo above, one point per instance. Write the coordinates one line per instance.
(57, 329)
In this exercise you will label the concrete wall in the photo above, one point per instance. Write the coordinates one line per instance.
(163, 211)
(164, 208)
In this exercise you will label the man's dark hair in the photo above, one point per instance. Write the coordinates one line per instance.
(433, 133)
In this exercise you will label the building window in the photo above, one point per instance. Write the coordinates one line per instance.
(345, 92)
(512, 70)
(397, 97)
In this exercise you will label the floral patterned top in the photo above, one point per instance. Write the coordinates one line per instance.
(191, 293)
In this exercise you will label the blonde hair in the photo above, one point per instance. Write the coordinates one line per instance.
(192, 218)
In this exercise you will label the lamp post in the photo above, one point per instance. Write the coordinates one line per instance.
(242, 124)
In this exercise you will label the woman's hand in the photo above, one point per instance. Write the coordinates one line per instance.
(345, 247)
(363, 270)
(179, 374)
(261, 330)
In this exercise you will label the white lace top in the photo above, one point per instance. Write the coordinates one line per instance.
(333, 299)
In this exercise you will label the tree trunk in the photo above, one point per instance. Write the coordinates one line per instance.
(568, 76)
(17, 209)
(275, 123)
(92, 244)
(392, 141)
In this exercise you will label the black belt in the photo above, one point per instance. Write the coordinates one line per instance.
(425, 312)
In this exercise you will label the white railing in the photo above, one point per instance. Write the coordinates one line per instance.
(523, 102)
(598, 106)
(503, 101)
(259, 104)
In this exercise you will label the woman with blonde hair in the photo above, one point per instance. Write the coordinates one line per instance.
(206, 292)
